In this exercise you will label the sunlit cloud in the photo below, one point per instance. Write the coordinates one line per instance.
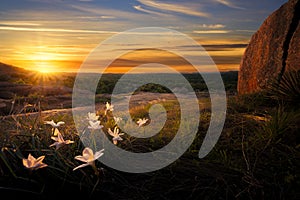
(11, 28)
(96, 17)
(107, 17)
(211, 31)
(139, 8)
(212, 26)
(246, 31)
(107, 12)
(229, 4)
(18, 23)
(178, 8)
(124, 19)
(224, 47)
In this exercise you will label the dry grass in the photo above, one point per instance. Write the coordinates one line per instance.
(250, 161)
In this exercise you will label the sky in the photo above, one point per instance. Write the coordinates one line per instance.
(59, 35)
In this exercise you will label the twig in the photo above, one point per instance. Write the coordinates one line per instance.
(243, 151)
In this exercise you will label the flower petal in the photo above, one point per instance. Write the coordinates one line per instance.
(26, 162)
(40, 159)
(60, 123)
(41, 165)
(98, 154)
(69, 142)
(80, 166)
(60, 137)
(54, 144)
(31, 158)
(50, 123)
(56, 132)
(81, 158)
(110, 132)
(54, 138)
(87, 153)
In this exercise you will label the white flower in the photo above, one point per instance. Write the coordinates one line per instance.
(88, 157)
(115, 135)
(53, 124)
(117, 119)
(95, 125)
(33, 163)
(59, 141)
(141, 122)
(109, 107)
(92, 116)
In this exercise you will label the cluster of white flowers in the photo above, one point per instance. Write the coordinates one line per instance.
(95, 123)
(88, 156)
(57, 136)
(142, 122)
(33, 163)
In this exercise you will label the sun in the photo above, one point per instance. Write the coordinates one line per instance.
(44, 67)
(42, 61)
(44, 71)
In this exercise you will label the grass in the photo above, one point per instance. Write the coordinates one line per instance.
(256, 157)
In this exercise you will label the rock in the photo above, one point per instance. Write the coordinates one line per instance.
(273, 49)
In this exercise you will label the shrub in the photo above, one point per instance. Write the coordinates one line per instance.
(286, 89)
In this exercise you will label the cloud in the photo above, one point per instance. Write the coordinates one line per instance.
(97, 17)
(11, 28)
(246, 31)
(173, 8)
(120, 14)
(107, 17)
(139, 8)
(18, 23)
(228, 59)
(229, 4)
(212, 26)
(211, 31)
(225, 46)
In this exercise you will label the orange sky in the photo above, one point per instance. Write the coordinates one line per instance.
(68, 58)
(57, 36)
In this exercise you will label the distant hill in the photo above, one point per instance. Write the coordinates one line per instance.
(12, 73)
(18, 75)
(24, 87)
(5, 68)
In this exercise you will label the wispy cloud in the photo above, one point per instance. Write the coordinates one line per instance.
(120, 14)
(139, 8)
(214, 47)
(173, 8)
(96, 17)
(211, 31)
(18, 23)
(107, 17)
(29, 29)
(11, 28)
(229, 4)
(212, 26)
(246, 31)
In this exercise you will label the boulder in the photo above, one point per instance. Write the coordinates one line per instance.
(273, 50)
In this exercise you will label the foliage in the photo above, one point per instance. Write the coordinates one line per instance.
(256, 157)
(287, 89)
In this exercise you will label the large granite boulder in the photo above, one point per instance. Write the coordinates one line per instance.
(273, 49)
